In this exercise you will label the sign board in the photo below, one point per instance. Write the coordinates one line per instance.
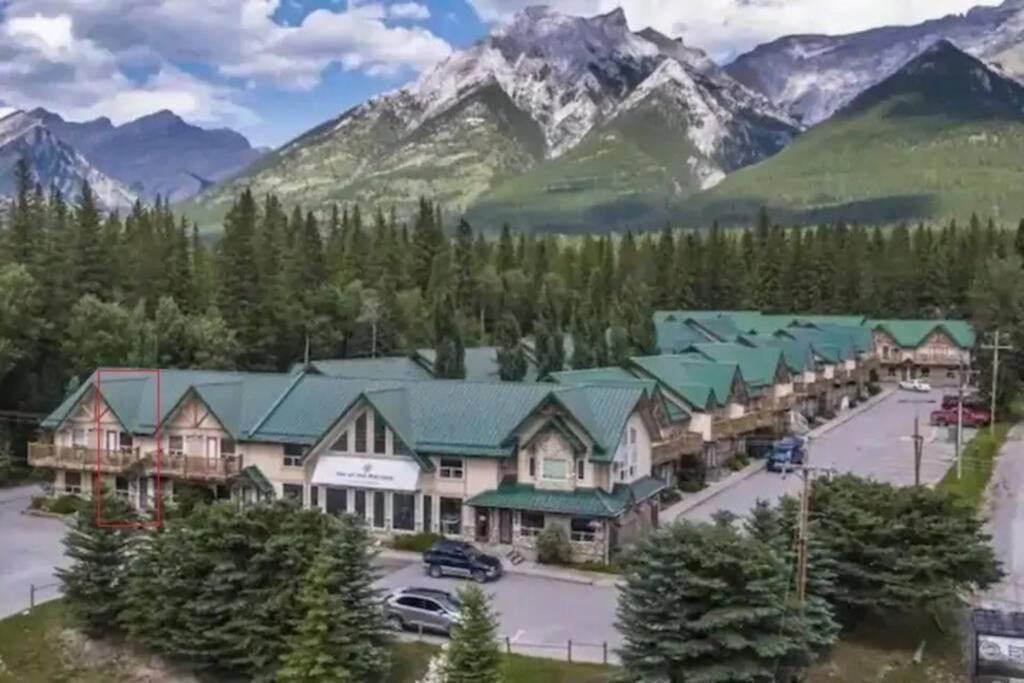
(391, 474)
(1001, 657)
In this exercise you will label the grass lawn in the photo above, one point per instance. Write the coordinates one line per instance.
(979, 456)
(28, 654)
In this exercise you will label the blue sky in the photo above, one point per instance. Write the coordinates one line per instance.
(275, 68)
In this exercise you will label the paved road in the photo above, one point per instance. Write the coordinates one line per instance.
(535, 611)
(30, 548)
(875, 443)
(1006, 523)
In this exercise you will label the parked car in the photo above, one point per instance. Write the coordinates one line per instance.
(973, 417)
(972, 401)
(787, 453)
(915, 385)
(421, 608)
(458, 558)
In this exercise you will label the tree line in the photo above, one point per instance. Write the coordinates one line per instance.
(81, 288)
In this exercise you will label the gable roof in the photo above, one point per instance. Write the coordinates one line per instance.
(383, 368)
(797, 353)
(759, 365)
(700, 382)
(481, 364)
(912, 333)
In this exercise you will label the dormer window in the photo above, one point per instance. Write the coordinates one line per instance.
(380, 435)
(361, 433)
(581, 468)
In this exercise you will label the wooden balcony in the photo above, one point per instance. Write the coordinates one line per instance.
(82, 458)
(183, 466)
(725, 428)
(675, 445)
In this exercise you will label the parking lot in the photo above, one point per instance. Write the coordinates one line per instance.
(537, 614)
(875, 443)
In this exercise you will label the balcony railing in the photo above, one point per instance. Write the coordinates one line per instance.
(725, 428)
(675, 445)
(82, 457)
(195, 467)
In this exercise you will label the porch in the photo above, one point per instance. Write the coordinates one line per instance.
(83, 458)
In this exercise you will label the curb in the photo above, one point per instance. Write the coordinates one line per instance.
(735, 478)
(561, 574)
(43, 513)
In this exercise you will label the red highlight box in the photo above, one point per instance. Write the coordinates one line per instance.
(157, 519)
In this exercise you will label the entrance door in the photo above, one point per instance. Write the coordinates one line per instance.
(143, 491)
(483, 525)
(505, 527)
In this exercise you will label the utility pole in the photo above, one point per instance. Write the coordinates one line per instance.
(803, 523)
(918, 450)
(995, 347)
(959, 418)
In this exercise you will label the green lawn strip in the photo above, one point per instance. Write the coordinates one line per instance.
(30, 653)
(979, 456)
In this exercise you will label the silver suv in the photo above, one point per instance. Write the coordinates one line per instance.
(421, 608)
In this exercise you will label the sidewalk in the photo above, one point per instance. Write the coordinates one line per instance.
(527, 568)
(675, 511)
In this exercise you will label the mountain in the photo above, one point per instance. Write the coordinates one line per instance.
(158, 154)
(813, 76)
(943, 136)
(54, 162)
(582, 120)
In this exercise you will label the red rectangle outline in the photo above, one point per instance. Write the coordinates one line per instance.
(124, 524)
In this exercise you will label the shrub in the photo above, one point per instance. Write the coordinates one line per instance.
(738, 463)
(416, 543)
(39, 503)
(690, 485)
(65, 505)
(874, 389)
(553, 546)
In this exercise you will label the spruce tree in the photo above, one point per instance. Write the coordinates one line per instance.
(512, 364)
(318, 650)
(449, 350)
(474, 655)
(92, 584)
(239, 286)
(549, 343)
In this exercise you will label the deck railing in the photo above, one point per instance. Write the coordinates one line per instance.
(193, 466)
(82, 457)
(675, 445)
(728, 427)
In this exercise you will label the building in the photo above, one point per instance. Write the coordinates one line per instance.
(937, 351)
(490, 462)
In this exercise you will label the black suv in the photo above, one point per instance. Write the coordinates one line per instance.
(458, 558)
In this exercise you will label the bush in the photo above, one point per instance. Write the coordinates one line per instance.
(553, 546)
(690, 485)
(738, 463)
(416, 543)
(874, 389)
(65, 505)
(39, 503)
(669, 497)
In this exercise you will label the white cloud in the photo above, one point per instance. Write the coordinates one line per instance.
(409, 10)
(73, 56)
(727, 27)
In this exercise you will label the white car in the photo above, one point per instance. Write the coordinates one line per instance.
(915, 385)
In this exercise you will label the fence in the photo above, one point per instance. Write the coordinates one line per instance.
(565, 650)
(48, 591)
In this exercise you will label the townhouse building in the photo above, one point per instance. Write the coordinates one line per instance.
(938, 351)
(489, 462)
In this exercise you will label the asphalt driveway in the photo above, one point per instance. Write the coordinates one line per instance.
(30, 550)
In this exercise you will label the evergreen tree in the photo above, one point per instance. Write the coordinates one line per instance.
(473, 652)
(449, 350)
(92, 584)
(512, 364)
(90, 265)
(464, 266)
(239, 288)
(319, 648)
(549, 342)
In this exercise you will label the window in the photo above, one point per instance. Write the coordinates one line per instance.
(451, 468)
(175, 444)
(72, 482)
(314, 496)
(428, 513)
(292, 492)
(632, 462)
(121, 487)
(126, 440)
(361, 433)
(583, 529)
(620, 471)
(892, 372)
(293, 455)
(337, 500)
(227, 447)
(555, 468)
(378, 509)
(78, 438)
(926, 372)
(950, 374)
(581, 468)
(403, 511)
(451, 516)
(632, 436)
(530, 523)
(360, 510)
(341, 444)
(380, 435)
(533, 466)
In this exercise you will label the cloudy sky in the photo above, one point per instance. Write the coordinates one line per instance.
(274, 68)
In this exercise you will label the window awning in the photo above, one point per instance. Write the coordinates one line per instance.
(392, 474)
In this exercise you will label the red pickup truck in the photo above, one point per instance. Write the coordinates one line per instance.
(973, 417)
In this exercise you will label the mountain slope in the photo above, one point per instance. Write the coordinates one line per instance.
(158, 154)
(812, 76)
(520, 118)
(943, 136)
(53, 162)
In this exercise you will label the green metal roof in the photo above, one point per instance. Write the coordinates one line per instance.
(758, 364)
(672, 336)
(254, 475)
(481, 364)
(580, 502)
(722, 328)
(912, 333)
(389, 367)
(797, 353)
(699, 381)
